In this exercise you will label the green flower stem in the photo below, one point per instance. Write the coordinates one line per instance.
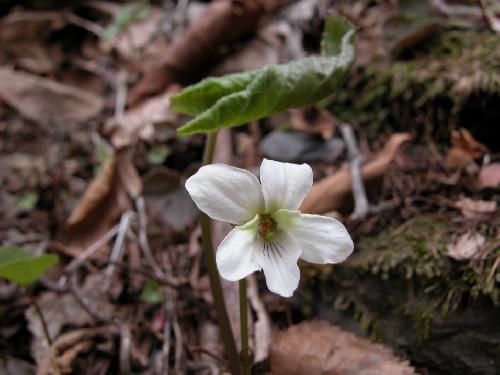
(245, 359)
(213, 274)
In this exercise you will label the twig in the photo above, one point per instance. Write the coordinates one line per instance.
(125, 343)
(167, 331)
(490, 18)
(143, 238)
(89, 251)
(356, 159)
(178, 343)
(201, 365)
(117, 251)
(43, 322)
(121, 94)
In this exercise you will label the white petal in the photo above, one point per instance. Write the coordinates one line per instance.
(236, 256)
(226, 193)
(279, 259)
(322, 239)
(285, 185)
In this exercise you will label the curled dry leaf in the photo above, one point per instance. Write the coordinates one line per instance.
(335, 193)
(221, 22)
(465, 148)
(106, 198)
(141, 122)
(318, 348)
(468, 246)
(45, 101)
(476, 209)
(64, 310)
(69, 346)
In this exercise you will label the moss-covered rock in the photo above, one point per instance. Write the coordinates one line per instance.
(451, 79)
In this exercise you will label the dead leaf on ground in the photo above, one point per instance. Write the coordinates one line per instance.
(47, 102)
(221, 22)
(141, 122)
(69, 346)
(106, 198)
(314, 120)
(468, 246)
(141, 39)
(476, 209)
(464, 149)
(489, 176)
(335, 192)
(29, 26)
(61, 310)
(318, 348)
(168, 199)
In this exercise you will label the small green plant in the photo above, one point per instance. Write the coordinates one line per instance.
(22, 268)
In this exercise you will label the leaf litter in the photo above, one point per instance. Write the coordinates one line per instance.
(91, 326)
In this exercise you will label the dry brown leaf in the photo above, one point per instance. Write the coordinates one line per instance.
(140, 122)
(221, 22)
(468, 246)
(464, 149)
(476, 209)
(67, 348)
(314, 120)
(64, 310)
(335, 193)
(140, 39)
(318, 348)
(45, 101)
(489, 176)
(106, 198)
(29, 26)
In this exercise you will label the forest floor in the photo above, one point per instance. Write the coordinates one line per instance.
(92, 170)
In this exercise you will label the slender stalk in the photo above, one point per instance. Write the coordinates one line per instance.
(245, 360)
(43, 322)
(213, 274)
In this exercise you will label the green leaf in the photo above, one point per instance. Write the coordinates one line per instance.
(152, 292)
(18, 266)
(236, 99)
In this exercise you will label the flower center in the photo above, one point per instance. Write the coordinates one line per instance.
(267, 227)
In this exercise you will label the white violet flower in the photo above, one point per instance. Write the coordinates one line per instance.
(270, 233)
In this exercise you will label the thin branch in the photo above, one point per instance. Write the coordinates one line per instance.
(118, 247)
(356, 160)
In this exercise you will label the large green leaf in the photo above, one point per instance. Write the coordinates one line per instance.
(236, 99)
(17, 265)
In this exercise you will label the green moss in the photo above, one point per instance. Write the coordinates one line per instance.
(434, 87)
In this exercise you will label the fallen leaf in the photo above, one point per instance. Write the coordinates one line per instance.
(29, 26)
(464, 149)
(70, 346)
(47, 102)
(318, 348)
(335, 192)
(476, 209)
(140, 39)
(140, 122)
(64, 310)
(489, 176)
(221, 22)
(106, 198)
(468, 246)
